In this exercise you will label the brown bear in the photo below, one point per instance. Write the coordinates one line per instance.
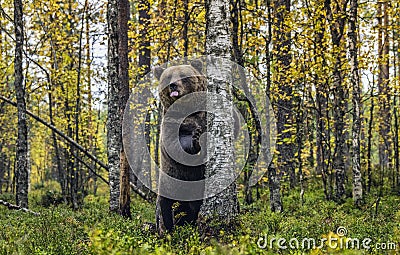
(174, 83)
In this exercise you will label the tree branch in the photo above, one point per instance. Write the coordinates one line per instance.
(16, 207)
(140, 192)
(67, 138)
(79, 147)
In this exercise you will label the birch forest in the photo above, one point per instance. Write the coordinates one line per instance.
(324, 179)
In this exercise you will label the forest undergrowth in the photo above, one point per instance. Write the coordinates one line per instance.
(93, 230)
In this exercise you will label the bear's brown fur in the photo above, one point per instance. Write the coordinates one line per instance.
(176, 82)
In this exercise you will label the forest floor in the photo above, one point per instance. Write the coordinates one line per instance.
(336, 229)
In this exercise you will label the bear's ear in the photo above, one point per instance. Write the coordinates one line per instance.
(197, 64)
(158, 72)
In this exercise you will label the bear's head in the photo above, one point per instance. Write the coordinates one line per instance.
(178, 81)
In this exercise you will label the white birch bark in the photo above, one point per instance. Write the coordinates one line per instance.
(22, 171)
(355, 81)
(223, 207)
(114, 136)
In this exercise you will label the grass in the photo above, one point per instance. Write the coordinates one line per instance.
(93, 230)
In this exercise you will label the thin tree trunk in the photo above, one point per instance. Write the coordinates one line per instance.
(2, 168)
(284, 112)
(369, 138)
(9, 179)
(3, 156)
(76, 172)
(186, 28)
(114, 136)
(396, 144)
(355, 81)
(336, 20)
(60, 169)
(383, 82)
(123, 18)
(252, 120)
(396, 169)
(91, 137)
(144, 64)
(172, 20)
(273, 178)
(301, 128)
(22, 140)
(396, 116)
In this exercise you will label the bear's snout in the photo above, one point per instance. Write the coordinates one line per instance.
(173, 87)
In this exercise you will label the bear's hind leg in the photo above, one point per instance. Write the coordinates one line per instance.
(164, 215)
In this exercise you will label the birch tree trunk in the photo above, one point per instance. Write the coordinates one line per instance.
(219, 211)
(22, 140)
(114, 136)
(355, 81)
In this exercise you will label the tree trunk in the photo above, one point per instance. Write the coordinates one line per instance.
(322, 111)
(383, 87)
(62, 179)
(22, 140)
(396, 117)
(219, 211)
(92, 138)
(123, 18)
(76, 171)
(336, 20)
(252, 119)
(144, 48)
(284, 112)
(114, 136)
(2, 168)
(369, 138)
(273, 178)
(186, 28)
(355, 81)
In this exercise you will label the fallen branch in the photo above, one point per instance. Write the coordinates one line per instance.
(141, 193)
(16, 207)
(67, 138)
(79, 147)
(90, 168)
